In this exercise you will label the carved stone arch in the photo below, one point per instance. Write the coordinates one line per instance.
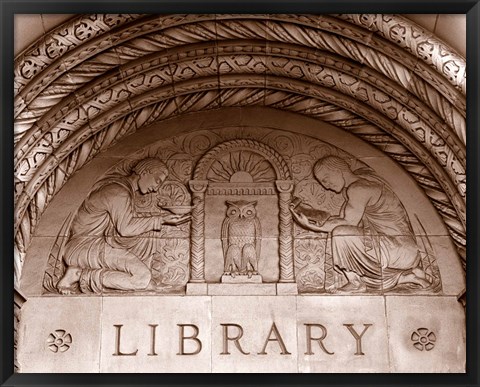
(283, 183)
(380, 77)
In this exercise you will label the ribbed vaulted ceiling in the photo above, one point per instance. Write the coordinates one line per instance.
(98, 78)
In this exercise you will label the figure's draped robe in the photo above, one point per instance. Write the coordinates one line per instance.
(106, 237)
(384, 247)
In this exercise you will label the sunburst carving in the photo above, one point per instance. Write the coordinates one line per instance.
(241, 166)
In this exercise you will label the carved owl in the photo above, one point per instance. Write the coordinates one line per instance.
(241, 238)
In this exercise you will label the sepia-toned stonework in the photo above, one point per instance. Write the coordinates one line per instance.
(240, 193)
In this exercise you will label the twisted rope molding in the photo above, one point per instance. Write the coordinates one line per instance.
(34, 177)
(91, 110)
(317, 67)
(31, 63)
(136, 41)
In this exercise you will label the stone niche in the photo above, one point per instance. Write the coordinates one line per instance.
(241, 241)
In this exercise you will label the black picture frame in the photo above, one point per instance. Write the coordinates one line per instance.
(10, 7)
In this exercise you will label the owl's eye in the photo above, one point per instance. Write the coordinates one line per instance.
(249, 212)
(234, 211)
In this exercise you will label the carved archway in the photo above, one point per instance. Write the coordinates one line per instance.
(283, 183)
(379, 76)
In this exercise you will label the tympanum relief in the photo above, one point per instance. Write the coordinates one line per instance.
(242, 206)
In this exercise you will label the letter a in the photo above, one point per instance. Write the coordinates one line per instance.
(277, 338)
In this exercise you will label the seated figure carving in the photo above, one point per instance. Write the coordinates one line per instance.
(106, 248)
(373, 244)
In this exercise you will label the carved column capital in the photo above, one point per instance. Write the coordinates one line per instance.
(284, 186)
(198, 186)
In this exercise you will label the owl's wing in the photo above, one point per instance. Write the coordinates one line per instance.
(224, 236)
(258, 237)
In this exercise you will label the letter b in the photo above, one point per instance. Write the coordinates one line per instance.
(193, 337)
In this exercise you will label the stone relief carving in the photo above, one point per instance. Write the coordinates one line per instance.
(459, 238)
(339, 228)
(423, 339)
(241, 240)
(330, 50)
(109, 246)
(18, 301)
(170, 265)
(310, 265)
(373, 245)
(59, 341)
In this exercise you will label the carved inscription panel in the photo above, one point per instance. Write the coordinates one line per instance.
(320, 333)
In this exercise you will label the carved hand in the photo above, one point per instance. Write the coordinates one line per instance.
(303, 221)
(175, 219)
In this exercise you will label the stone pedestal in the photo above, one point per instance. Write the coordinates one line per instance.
(242, 279)
(230, 289)
(287, 288)
(197, 289)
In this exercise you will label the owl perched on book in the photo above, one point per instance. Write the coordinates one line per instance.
(241, 238)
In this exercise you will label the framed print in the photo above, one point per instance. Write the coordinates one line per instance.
(279, 192)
